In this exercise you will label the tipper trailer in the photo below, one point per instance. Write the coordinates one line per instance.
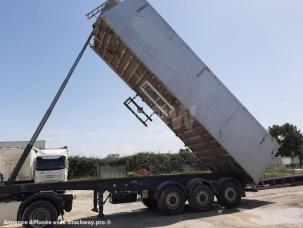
(157, 64)
(134, 40)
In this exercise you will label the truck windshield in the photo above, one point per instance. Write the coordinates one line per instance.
(50, 163)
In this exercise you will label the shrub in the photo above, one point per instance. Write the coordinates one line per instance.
(156, 163)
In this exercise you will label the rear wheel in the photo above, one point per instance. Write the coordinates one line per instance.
(171, 200)
(150, 203)
(230, 194)
(40, 214)
(201, 198)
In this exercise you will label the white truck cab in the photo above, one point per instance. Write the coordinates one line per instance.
(42, 165)
(51, 165)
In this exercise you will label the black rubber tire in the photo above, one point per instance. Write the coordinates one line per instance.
(45, 207)
(150, 203)
(171, 200)
(230, 194)
(201, 198)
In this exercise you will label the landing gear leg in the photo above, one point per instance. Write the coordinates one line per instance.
(95, 208)
(101, 204)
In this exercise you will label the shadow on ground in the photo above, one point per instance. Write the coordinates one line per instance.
(148, 218)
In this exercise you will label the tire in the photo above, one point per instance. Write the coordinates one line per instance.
(230, 194)
(201, 198)
(41, 211)
(171, 200)
(150, 203)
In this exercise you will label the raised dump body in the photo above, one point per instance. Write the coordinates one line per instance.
(156, 63)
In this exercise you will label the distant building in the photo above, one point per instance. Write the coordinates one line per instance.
(22, 144)
(284, 162)
(113, 156)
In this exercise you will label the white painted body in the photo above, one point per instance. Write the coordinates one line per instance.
(158, 46)
(10, 156)
(8, 160)
(51, 176)
(58, 175)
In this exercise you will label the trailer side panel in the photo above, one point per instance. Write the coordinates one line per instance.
(158, 65)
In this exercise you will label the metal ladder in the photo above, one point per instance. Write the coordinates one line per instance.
(101, 9)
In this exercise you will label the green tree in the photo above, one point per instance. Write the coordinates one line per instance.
(290, 139)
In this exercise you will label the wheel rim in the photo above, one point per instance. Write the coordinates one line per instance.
(230, 194)
(40, 215)
(202, 198)
(173, 200)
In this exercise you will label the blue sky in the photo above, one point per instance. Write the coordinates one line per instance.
(254, 47)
